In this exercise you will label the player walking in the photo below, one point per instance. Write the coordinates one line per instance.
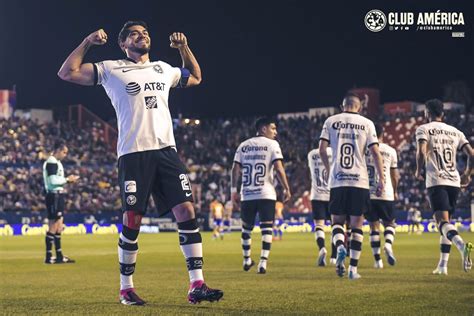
(320, 202)
(437, 147)
(382, 207)
(349, 134)
(255, 159)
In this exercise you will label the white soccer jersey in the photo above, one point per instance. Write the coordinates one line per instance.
(53, 175)
(319, 187)
(349, 134)
(443, 143)
(256, 156)
(139, 95)
(390, 161)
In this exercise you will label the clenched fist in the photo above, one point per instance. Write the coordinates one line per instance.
(97, 38)
(178, 40)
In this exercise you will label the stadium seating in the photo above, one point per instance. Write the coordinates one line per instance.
(207, 149)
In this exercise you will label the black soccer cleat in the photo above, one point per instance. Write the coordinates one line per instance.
(129, 297)
(204, 293)
(50, 260)
(248, 266)
(261, 270)
(64, 259)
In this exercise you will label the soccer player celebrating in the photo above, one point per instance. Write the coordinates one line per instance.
(381, 207)
(349, 134)
(54, 182)
(320, 203)
(255, 159)
(148, 162)
(437, 146)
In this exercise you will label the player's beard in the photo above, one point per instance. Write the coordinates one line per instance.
(140, 50)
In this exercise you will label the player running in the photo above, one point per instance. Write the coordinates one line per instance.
(437, 147)
(349, 134)
(255, 159)
(148, 162)
(320, 203)
(382, 207)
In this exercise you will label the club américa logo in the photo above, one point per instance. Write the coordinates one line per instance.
(375, 20)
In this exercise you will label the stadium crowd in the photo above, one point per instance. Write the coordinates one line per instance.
(207, 149)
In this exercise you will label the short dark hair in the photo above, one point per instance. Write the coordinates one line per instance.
(59, 144)
(125, 30)
(350, 95)
(263, 121)
(379, 129)
(434, 107)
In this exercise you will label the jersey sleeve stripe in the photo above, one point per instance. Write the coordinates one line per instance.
(376, 143)
(324, 138)
(466, 143)
(276, 159)
(237, 162)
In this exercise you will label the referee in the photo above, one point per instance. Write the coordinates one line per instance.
(54, 181)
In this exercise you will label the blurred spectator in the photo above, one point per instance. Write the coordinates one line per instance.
(207, 149)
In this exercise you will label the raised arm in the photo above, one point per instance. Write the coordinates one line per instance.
(281, 175)
(73, 70)
(180, 42)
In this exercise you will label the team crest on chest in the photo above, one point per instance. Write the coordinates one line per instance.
(158, 69)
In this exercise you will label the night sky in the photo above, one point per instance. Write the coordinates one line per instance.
(257, 57)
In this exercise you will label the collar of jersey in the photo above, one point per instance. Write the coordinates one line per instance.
(129, 59)
(350, 112)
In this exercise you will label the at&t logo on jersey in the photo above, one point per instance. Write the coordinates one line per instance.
(154, 86)
(133, 88)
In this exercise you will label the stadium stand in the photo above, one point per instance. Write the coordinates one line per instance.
(206, 148)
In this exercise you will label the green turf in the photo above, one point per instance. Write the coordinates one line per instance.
(293, 284)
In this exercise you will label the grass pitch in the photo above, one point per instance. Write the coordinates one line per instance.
(292, 285)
